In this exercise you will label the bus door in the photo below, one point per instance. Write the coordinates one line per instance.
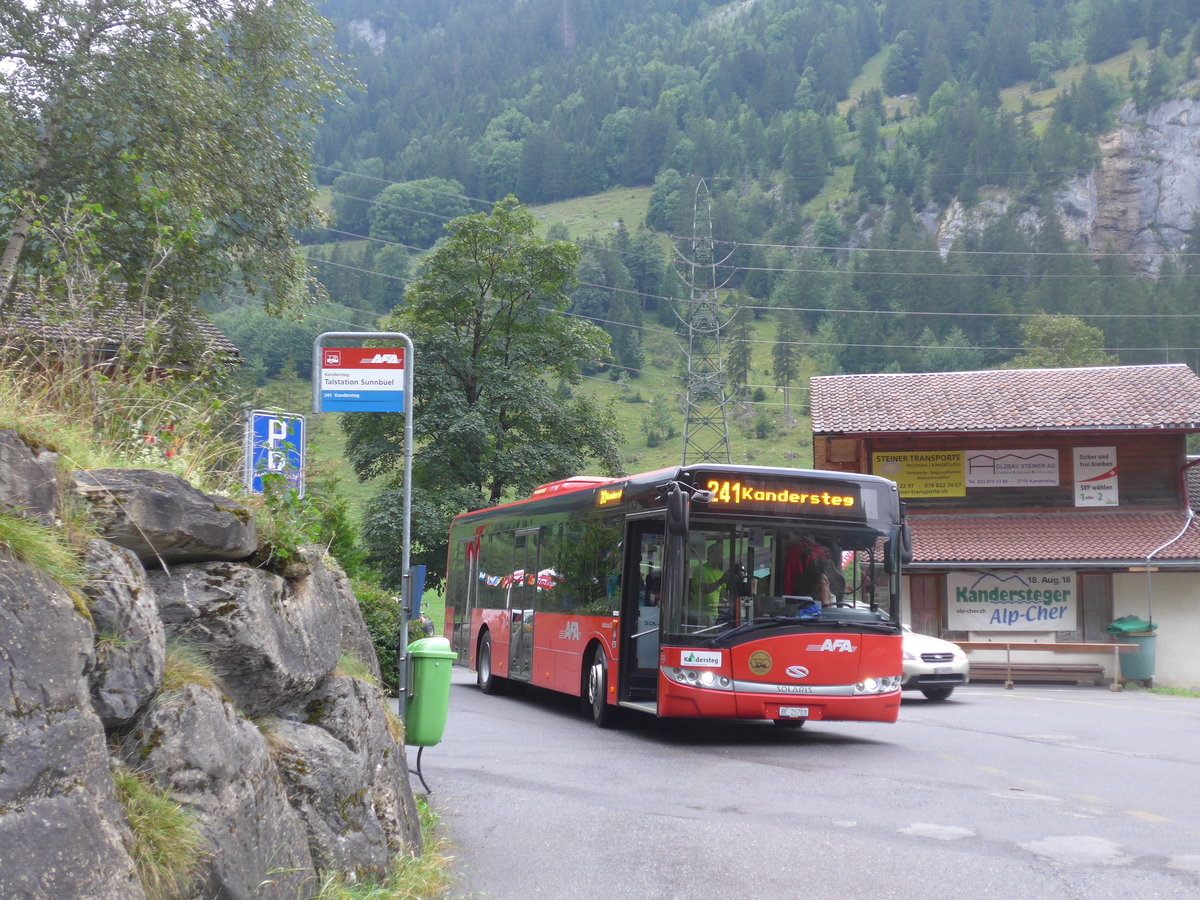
(521, 603)
(640, 598)
(462, 596)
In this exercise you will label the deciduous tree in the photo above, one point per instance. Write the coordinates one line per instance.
(189, 122)
(1054, 342)
(486, 316)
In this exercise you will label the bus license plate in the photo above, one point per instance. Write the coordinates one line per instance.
(793, 712)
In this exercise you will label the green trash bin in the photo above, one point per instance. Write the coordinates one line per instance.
(428, 697)
(1137, 666)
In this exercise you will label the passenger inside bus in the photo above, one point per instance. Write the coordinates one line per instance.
(708, 580)
(809, 571)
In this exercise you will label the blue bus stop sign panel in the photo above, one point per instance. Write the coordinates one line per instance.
(274, 445)
(362, 379)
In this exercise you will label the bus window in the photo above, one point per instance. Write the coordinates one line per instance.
(495, 569)
(712, 575)
(587, 561)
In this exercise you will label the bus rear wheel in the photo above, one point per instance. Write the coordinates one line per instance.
(595, 694)
(489, 682)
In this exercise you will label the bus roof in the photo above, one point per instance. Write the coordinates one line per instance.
(577, 483)
(574, 483)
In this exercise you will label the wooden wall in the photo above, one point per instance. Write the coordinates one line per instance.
(1149, 466)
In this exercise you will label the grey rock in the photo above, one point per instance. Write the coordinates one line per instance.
(325, 783)
(62, 832)
(1143, 195)
(353, 712)
(163, 519)
(28, 479)
(130, 639)
(327, 583)
(268, 641)
(217, 764)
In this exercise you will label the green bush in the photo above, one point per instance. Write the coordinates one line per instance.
(384, 615)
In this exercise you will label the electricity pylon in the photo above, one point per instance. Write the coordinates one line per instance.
(705, 428)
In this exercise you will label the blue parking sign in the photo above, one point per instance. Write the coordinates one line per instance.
(274, 445)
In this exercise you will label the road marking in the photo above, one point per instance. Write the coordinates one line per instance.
(1026, 698)
(940, 832)
(1146, 816)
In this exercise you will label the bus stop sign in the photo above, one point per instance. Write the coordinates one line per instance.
(274, 445)
(361, 379)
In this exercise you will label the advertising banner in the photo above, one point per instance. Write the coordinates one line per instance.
(932, 474)
(1042, 600)
(1096, 476)
(1012, 468)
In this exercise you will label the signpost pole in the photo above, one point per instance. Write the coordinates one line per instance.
(319, 345)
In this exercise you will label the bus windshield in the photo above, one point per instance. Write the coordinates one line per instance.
(743, 576)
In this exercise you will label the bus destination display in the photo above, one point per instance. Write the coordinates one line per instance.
(781, 496)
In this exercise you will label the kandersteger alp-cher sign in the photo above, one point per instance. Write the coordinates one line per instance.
(1042, 600)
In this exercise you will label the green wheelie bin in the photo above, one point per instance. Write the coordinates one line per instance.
(428, 697)
(1132, 630)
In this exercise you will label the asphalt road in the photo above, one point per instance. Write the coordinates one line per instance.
(1034, 792)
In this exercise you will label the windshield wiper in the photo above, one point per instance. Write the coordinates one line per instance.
(763, 622)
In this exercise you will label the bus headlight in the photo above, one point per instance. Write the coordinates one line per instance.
(882, 685)
(705, 678)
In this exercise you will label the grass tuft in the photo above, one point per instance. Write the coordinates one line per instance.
(185, 664)
(412, 877)
(42, 548)
(167, 846)
(351, 666)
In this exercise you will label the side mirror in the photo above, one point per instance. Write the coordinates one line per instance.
(678, 507)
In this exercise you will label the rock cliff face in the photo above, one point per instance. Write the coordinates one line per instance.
(1140, 199)
(286, 767)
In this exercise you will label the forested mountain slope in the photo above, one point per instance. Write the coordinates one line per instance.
(895, 185)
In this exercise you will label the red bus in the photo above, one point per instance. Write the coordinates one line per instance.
(710, 591)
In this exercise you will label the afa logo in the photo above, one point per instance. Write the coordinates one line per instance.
(570, 632)
(383, 359)
(833, 645)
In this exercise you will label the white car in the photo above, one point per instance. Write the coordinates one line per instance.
(933, 666)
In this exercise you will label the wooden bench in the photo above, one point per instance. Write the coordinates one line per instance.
(1071, 673)
(1053, 671)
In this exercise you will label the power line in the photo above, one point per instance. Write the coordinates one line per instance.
(1083, 255)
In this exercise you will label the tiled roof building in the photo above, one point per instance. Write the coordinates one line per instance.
(35, 317)
(1091, 399)
(1080, 475)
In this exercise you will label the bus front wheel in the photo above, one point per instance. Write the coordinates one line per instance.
(489, 682)
(595, 696)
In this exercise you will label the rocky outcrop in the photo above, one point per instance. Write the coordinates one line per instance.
(267, 639)
(62, 833)
(286, 768)
(28, 479)
(131, 642)
(1145, 192)
(1140, 200)
(165, 520)
(217, 764)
